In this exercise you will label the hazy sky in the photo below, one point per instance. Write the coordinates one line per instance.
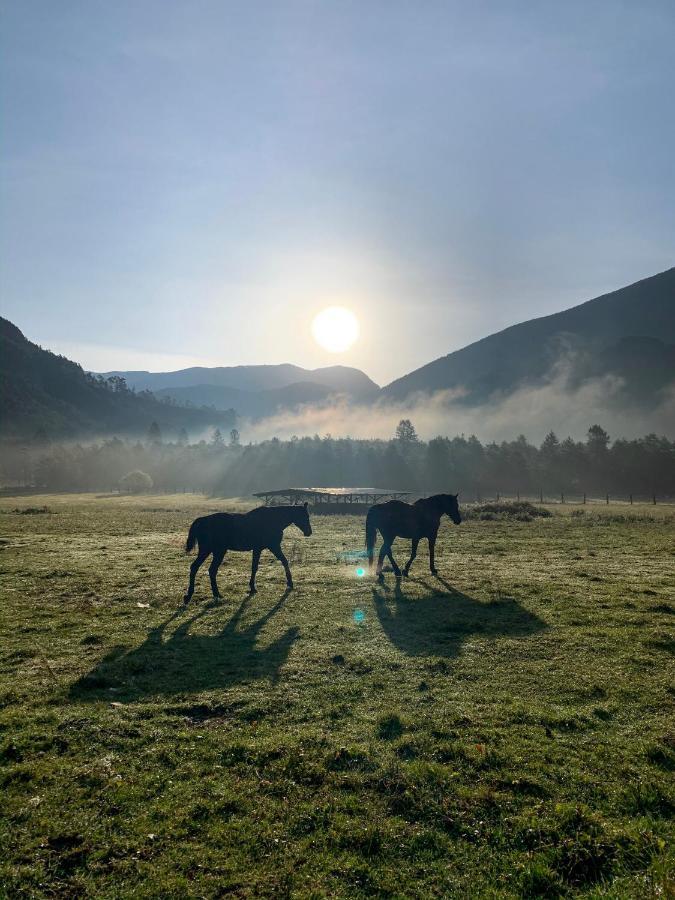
(188, 182)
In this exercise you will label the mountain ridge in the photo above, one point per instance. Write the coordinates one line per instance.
(250, 377)
(254, 391)
(42, 392)
(628, 333)
(528, 351)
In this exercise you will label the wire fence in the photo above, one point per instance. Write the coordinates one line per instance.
(577, 499)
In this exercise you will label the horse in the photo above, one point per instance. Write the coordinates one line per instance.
(418, 520)
(260, 529)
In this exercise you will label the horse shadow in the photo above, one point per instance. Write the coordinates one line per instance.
(438, 623)
(170, 662)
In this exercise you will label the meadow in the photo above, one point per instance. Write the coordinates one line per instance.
(503, 730)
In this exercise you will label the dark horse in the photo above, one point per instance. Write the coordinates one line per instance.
(416, 521)
(258, 530)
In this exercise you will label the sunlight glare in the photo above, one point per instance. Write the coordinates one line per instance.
(335, 329)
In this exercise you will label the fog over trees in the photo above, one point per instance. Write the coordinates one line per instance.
(596, 466)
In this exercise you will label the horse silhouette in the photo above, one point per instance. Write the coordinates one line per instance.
(418, 520)
(260, 529)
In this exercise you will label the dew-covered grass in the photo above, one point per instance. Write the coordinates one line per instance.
(503, 730)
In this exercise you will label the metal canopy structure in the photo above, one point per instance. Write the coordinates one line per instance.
(324, 496)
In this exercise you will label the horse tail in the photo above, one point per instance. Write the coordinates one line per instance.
(371, 535)
(192, 537)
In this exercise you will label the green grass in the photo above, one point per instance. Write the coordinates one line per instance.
(505, 730)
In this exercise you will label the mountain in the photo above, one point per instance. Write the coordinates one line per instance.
(45, 393)
(341, 379)
(629, 332)
(253, 391)
(253, 404)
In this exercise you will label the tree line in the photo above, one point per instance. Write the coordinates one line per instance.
(222, 466)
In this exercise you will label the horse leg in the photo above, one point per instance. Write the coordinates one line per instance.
(279, 553)
(254, 569)
(432, 551)
(380, 560)
(390, 554)
(213, 572)
(201, 556)
(413, 554)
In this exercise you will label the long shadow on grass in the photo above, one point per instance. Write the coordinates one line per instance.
(184, 661)
(437, 623)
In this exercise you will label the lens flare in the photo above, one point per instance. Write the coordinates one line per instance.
(360, 572)
(359, 616)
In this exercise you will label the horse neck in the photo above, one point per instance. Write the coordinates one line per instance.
(430, 504)
(286, 515)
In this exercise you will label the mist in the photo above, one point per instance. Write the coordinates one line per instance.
(532, 411)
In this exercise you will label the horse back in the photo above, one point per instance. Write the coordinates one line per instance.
(239, 531)
(404, 520)
(220, 531)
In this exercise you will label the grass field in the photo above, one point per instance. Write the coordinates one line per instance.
(504, 730)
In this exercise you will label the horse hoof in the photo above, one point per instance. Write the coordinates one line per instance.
(186, 599)
(434, 571)
(289, 587)
(405, 573)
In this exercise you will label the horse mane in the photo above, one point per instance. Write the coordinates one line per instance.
(435, 500)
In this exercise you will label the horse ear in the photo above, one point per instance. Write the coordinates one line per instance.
(456, 496)
(306, 504)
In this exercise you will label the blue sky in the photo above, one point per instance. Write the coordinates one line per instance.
(189, 182)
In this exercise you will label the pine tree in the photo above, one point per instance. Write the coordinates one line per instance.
(405, 432)
(597, 440)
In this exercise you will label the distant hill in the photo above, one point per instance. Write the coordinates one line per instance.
(45, 393)
(254, 390)
(253, 404)
(629, 332)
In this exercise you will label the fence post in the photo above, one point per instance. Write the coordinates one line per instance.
(497, 496)
(518, 495)
(541, 496)
(584, 498)
(562, 498)
(607, 499)
(631, 499)
(654, 499)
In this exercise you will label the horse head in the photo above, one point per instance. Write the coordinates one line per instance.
(451, 507)
(301, 519)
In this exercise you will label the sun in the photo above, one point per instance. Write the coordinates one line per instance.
(335, 329)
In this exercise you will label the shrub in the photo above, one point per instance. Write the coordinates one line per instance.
(519, 510)
(136, 482)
